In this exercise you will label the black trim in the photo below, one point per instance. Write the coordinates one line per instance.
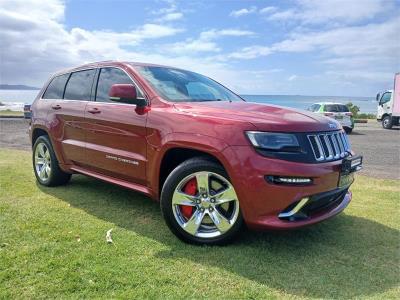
(303, 155)
(317, 203)
(94, 85)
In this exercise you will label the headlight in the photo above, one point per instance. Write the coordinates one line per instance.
(273, 141)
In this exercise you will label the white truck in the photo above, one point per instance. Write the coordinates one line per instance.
(389, 105)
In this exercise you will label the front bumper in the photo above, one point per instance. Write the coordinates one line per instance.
(262, 202)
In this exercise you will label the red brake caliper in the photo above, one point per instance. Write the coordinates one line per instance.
(190, 189)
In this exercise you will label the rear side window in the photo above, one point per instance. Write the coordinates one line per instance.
(108, 77)
(55, 89)
(79, 85)
(314, 107)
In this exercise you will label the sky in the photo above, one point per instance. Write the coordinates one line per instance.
(297, 47)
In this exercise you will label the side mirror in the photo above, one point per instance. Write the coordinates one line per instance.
(126, 93)
(378, 96)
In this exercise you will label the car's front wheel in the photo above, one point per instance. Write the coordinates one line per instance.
(199, 203)
(45, 164)
(387, 122)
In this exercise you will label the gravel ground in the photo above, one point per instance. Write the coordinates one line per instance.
(14, 134)
(380, 147)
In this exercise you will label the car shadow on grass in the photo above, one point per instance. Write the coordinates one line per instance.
(344, 257)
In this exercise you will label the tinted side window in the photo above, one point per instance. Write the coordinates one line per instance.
(343, 108)
(315, 107)
(108, 77)
(331, 108)
(79, 85)
(55, 90)
(385, 98)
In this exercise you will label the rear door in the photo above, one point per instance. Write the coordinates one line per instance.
(43, 109)
(116, 135)
(69, 112)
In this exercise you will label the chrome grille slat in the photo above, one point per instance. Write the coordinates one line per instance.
(318, 153)
(329, 146)
(340, 142)
(335, 145)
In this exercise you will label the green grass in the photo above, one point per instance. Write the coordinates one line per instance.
(52, 244)
(8, 112)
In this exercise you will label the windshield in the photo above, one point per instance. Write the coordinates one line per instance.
(183, 86)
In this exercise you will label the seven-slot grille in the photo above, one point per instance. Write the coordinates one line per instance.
(329, 145)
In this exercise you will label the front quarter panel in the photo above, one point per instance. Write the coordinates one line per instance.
(167, 128)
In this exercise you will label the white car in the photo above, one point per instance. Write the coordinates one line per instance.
(337, 111)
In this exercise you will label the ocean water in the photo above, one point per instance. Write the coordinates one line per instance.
(366, 104)
(15, 99)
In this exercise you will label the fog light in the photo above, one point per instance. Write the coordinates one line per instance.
(289, 180)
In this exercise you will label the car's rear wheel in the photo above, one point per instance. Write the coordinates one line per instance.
(199, 203)
(45, 164)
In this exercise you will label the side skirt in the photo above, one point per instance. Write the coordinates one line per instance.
(122, 183)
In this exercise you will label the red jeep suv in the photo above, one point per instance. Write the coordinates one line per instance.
(213, 160)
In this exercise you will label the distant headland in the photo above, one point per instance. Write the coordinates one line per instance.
(17, 87)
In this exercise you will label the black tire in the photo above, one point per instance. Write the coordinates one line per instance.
(348, 130)
(57, 176)
(185, 169)
(387, 122)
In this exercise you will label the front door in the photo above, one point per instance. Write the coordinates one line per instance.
(116, 134)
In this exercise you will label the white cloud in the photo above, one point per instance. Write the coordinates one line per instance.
(35, 44)
(363, 55)
(173, 16)
(250, 52)
(284, 15)
(191, 46)
(243, 11)
(345, 11)
(205, 42)
(168, 14)
(214, 33)
(252, 10)
(268, 9)
(34, 41)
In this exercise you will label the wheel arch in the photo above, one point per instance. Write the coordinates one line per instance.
(174, 156)
(36, 133)
(39, 131)
(177, 147)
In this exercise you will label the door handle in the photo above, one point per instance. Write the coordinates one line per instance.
(56, 107)
(94, 111)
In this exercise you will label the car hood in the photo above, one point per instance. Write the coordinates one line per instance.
(264, 117)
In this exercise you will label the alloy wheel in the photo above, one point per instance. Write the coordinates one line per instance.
(205, 204)
(42, 162)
